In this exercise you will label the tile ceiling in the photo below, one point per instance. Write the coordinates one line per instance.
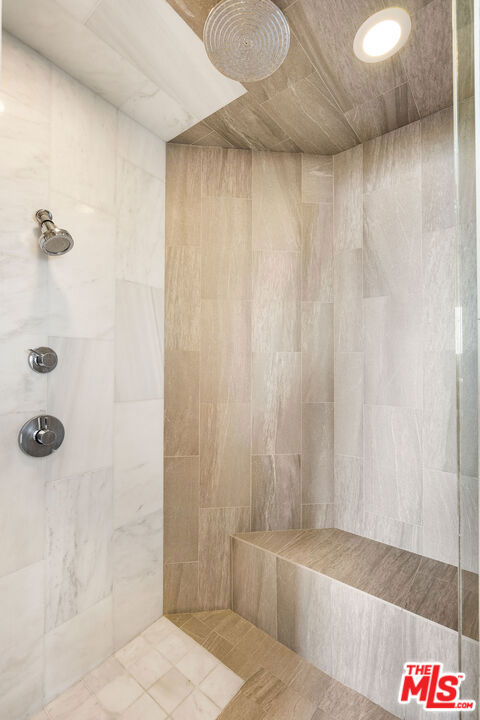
(323, 99)
(137, 54)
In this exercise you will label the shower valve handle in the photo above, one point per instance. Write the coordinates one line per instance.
(42, 359)
(44, 435)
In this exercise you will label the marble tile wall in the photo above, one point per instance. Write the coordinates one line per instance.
(394, 306)
(81, 531)
(249, 357)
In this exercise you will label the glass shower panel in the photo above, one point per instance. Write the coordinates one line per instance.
(466, 339)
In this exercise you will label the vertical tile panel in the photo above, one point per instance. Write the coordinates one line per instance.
(393, 463)
(439, 411)
(349, 404)
(438, 171)
(440, 521)
(276, 403)
(276, 301)
(180, 593)
(182, 298)
(225, 351)
(182, 497)
(78, 550)
(318, 515)
(349, 494)
(183, 200)
(226, 173)
(317, 252)
(137, 577)
(348, 199)
(254, 586)
(216, 526)
(317, 178)
(181, 402)
(276, 492)
(317, 453)
(348, 295)
(317, 352)
(139, 342)
(276, 208)
(224, 454)
(304, 617)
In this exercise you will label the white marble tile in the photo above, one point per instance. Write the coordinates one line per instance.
(392, 471)
(140, 146)
(196, 664)
(22, 603)
(78, 550)
(159, 112)
(143, 662)
(175, 646)
(221, 685)
(104, 674)
(23, 288)
(140, 250)
(21, 631)
(119, 694)
(81, 285)
(80, 394)
(81, 9)
(89, 710)
(138, 342)
(156, 39)
(137, 576)
(21, 680)
(171, 689)
(159, 630)
(22, 499)
(137, 460)
(82, 143)
(20, 388)
(144, 709)
(24, 138)
(63, 706)
(55, 33)
(440, 521)
(75, 647)
(198, 706)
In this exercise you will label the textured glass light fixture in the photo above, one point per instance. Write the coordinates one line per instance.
(246, 40)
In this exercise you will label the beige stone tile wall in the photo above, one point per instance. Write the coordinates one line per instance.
(249, 357)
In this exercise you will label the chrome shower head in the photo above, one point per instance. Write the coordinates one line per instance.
(53, 240)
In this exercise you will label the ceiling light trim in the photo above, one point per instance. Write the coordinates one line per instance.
(396, 14)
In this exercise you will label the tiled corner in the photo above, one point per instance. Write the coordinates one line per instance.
(163, 673)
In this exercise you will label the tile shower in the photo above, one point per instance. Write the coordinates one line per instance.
(81, 531)
(270, 410)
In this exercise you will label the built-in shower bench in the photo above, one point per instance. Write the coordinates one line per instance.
(356, 608)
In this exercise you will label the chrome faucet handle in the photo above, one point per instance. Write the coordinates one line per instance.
(42, 359)
(44, 435)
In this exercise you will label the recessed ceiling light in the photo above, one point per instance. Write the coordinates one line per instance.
(382, 35)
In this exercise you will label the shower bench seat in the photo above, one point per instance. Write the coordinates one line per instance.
(356, 608)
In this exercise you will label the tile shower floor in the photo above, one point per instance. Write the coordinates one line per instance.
(200, 666)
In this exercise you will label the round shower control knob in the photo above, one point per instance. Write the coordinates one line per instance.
(41, 435)
(43, 359)
(46, 437)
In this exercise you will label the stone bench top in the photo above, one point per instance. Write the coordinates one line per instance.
(413, 582)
